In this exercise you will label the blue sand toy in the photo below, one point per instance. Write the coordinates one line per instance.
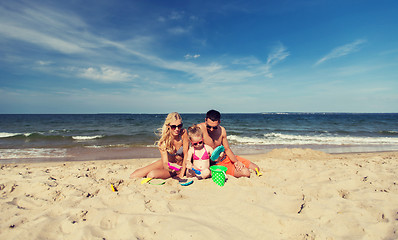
(197, 171)
(187, 183)
(216, 153)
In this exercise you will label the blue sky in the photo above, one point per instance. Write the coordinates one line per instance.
(191, 56)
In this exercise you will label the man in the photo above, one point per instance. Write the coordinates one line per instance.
(215, 135)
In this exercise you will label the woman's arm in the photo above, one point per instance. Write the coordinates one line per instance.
(185, 147)
(165, 159)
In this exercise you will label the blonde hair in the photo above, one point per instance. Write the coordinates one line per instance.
(166, 140)
(194, 131)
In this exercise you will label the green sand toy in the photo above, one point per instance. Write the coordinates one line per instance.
(218, 174)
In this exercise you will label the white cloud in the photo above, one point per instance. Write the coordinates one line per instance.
(44, 27)
(106, 74)
(161, 19)
(357, 70)
(39, 38)
(277, 55)
(246, 61)
(179, 30)
(176, 15)
(342, 51)
(178, 23)
(388, 52)
(173, 16)
(50, 30)
(44, 63)
(189, 56)
(216, 72)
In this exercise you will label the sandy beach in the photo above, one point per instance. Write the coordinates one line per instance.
(303, 194)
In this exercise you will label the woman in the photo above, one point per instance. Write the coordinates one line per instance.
(173, 145)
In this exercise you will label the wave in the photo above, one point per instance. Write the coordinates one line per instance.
(32, 136)
(8, 135)
(86, 138)
(62, 131)
(43, 136)
(32, 153)
(282, 139)
(392, 133)
(12, 135)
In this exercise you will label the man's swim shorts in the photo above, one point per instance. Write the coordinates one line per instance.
(231, 166)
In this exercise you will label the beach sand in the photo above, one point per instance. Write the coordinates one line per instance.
(303, 194)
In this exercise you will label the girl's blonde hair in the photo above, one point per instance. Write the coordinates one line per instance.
(194, 131)
(166, 140)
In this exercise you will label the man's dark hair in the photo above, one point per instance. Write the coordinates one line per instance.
(213, 115)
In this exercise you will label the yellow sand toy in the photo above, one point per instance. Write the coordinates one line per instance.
(257, 172)
(145, 180)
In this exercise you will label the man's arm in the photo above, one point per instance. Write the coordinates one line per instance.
(225, 143)
(228, 150)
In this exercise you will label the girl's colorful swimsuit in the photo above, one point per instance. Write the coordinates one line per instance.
(205, 155)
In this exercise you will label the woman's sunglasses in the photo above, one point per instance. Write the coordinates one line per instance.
(176, 126)
(210, 127)
(197, 143)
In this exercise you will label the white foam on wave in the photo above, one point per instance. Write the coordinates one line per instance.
(6, 135)
(94, 146)
(86, 138)
(108, 146)
(247, 140)
(32, 153)
(56, 131)
(279, 138)
(392, 132)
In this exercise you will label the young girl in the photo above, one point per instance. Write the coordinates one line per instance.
(173, 145)
(199, 153)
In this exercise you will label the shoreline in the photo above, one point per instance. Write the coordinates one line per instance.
(303, 194)
(26, 155)
(149, 159)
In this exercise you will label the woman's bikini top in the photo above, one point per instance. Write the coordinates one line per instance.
(205, 155)
(179, 152)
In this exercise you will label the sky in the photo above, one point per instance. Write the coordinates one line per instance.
(134, 56)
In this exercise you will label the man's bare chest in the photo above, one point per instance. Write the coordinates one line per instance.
(212, 142)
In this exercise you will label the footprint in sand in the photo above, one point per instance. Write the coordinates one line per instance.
(175, 195)
(109, 222)
(80, 216)
(382, 218)
(158, 206)
(344, 194)
(8, 189)
(27, 203)
(58, 196)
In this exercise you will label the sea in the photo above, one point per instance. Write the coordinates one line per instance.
(73, 137)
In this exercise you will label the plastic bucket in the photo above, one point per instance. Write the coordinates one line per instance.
(218, 174)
